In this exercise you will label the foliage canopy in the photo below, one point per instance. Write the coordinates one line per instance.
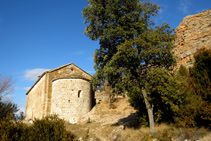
(130, 45)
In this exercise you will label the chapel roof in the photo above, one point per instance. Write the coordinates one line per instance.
(52, 70)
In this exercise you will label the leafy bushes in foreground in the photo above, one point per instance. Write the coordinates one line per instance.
(49, 129)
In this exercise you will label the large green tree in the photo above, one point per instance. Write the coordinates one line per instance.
(112, 22)
(130, 45)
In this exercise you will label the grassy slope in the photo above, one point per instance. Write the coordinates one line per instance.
(119, 121)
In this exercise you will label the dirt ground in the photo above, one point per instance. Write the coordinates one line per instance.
(110, 122)
(119, 121)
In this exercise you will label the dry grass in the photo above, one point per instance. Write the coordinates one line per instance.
(117, 124)
(163, 132)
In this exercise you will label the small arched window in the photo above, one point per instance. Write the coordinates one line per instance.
(79, 93)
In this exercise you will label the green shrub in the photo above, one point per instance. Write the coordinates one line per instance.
(183, 71)
(201, 73)
(11, 129)
(48, 129)
(197, 110)
(7, 109)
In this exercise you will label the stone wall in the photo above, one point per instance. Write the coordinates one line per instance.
(64, 72)
(193, 33)
(101, 96)
(35, 101)
(65, 91)
(71, 97)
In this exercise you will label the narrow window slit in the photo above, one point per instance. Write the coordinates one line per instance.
(79, 93)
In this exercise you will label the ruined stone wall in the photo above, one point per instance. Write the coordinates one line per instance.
(35, 100)
(193, 33)
(101, 96)
(71, 97)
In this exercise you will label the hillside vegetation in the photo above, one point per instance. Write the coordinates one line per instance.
(120, 122)
(136, 57)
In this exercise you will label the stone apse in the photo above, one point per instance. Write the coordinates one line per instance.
(65, 91)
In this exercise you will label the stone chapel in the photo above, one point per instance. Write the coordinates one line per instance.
(65, 91)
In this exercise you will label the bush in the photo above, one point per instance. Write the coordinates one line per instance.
(10, 129)
(49, 129)
(197, 110)
(201, 73)
(7, 109)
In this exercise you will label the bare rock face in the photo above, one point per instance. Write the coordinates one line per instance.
(193, 33)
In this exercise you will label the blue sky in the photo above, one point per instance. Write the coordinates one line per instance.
(37, 35)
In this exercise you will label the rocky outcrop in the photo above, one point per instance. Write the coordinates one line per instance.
(193, 33)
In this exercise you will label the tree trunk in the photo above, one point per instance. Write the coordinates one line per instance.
(149, 111)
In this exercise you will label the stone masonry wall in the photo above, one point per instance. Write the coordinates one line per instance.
(35, 100)
(68, 72)
(193, 33)
(71, 97)
(65, 91)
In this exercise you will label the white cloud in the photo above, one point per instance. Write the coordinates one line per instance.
(32, 75)
(184, 6)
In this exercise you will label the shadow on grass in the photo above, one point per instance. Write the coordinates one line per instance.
(132, 121)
